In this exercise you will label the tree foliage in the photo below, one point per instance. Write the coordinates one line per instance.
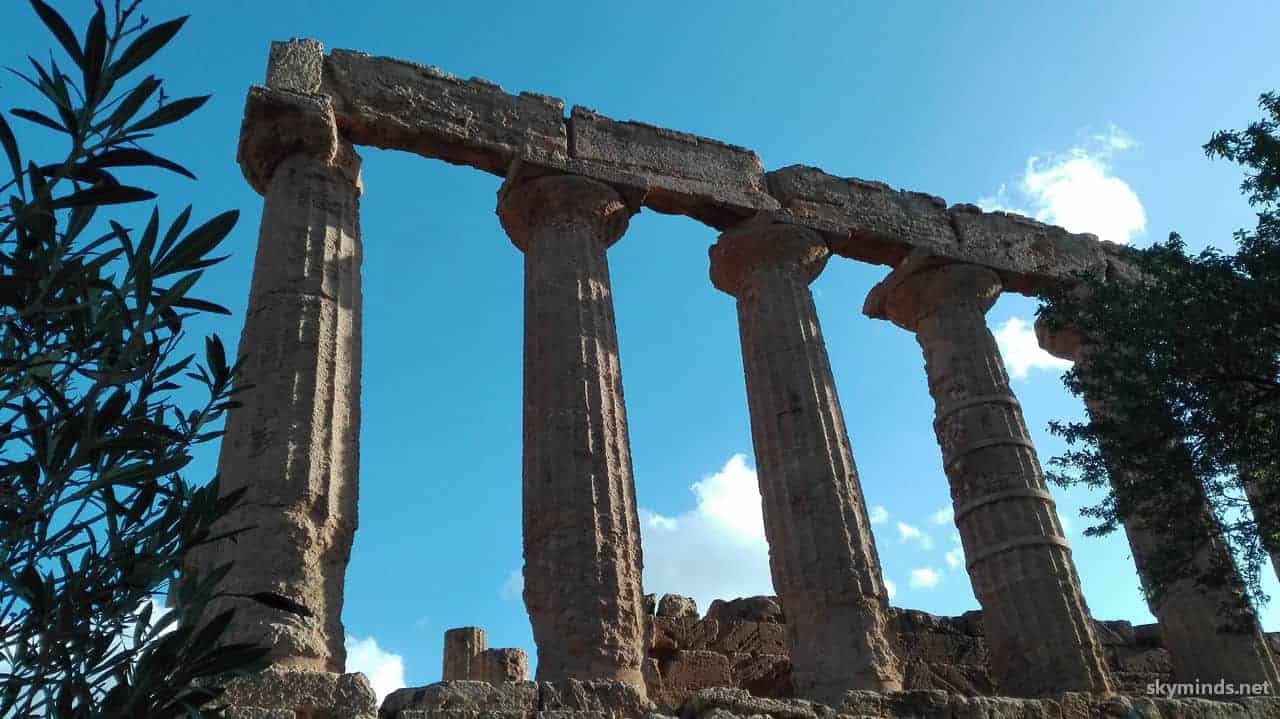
(1187, 361)
(94, 510)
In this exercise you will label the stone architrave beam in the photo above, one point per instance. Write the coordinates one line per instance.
(400, 105)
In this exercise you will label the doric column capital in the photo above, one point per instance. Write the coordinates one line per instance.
(279, 123)
(923, 285)
(526, 207)
(754, 247)
(1064, 341)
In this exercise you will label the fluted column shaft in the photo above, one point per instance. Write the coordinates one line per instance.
(581, 530)
(821, 552)
(1211, 633)
(1037, 624)
(293, 445)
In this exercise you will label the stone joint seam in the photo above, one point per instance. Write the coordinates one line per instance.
(1020, 492)
(964, 451)
(1018, 543)
(950, 409)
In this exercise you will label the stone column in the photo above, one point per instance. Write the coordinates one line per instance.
(581, 532)
(821, 553)
(1037, 625)
(1211, 633)
(462, 648)
(293, 445)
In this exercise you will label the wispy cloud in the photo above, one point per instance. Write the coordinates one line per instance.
(890, 587)
(1078, 189)
(910, 533)
(943, 515)
(714, 550)
(384, 669)
(955, 558)
(878, 514)
(513, 586)
(924, 578)
(1021, 351)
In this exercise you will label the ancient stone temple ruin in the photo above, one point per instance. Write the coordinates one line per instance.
(829, 644)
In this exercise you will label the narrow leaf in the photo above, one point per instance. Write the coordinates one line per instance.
(133, 157)
(10, 144)
(59, 28)
(108, 195)
(146, 45)
(39, 119)
(169, 113)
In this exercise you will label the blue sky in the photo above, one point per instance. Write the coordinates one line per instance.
(1086, 114)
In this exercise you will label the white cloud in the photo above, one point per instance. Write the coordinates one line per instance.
(879, 515)
(955, 558)
(513, 586)
(384, 669)
(909, 533)
(1021, 351)
(924, 578)
(715, 550)
(890, 587)
(943, 516)
(1077, 190)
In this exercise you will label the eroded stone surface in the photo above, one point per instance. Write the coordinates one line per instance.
(295, 65)
(1035, 618)
(280, 694)
(674, 605)
(581, 529)
(294, 444)
(678, 173)
(462, 648)
(821, 553)
(400, 105)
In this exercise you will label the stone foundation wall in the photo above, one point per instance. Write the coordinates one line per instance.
(742, 644)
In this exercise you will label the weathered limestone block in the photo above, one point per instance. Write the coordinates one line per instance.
(688, 671)
(295, 65)
(871, 222)
(503, 665)
(518, 699)
(747, 609)
(1204, 643)
(581, 529)
(1037, 625)
(611, 699)
(764, 675)
(821, 553)
(1037, 251)
(674, 605)
(400, 105)
(294, 444)
(678, 173)
(758, 637)
(462, 648)
(281, 693)
(739, 702)
(865, 220)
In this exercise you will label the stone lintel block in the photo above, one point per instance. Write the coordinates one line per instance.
(308, 693)
(747, 609)
(520, 698)
(716, 183)
(688, 671)
(295, 65)
(278, 123)
(671, 633)
(868, 221)
(741, 703)
(401, 105)
(1025, 251)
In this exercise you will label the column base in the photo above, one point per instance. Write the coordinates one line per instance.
(279, 693)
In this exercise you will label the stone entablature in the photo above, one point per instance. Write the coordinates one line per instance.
(394, 104)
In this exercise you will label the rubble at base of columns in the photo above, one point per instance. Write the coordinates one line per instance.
(303, 694)
(614, 700)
